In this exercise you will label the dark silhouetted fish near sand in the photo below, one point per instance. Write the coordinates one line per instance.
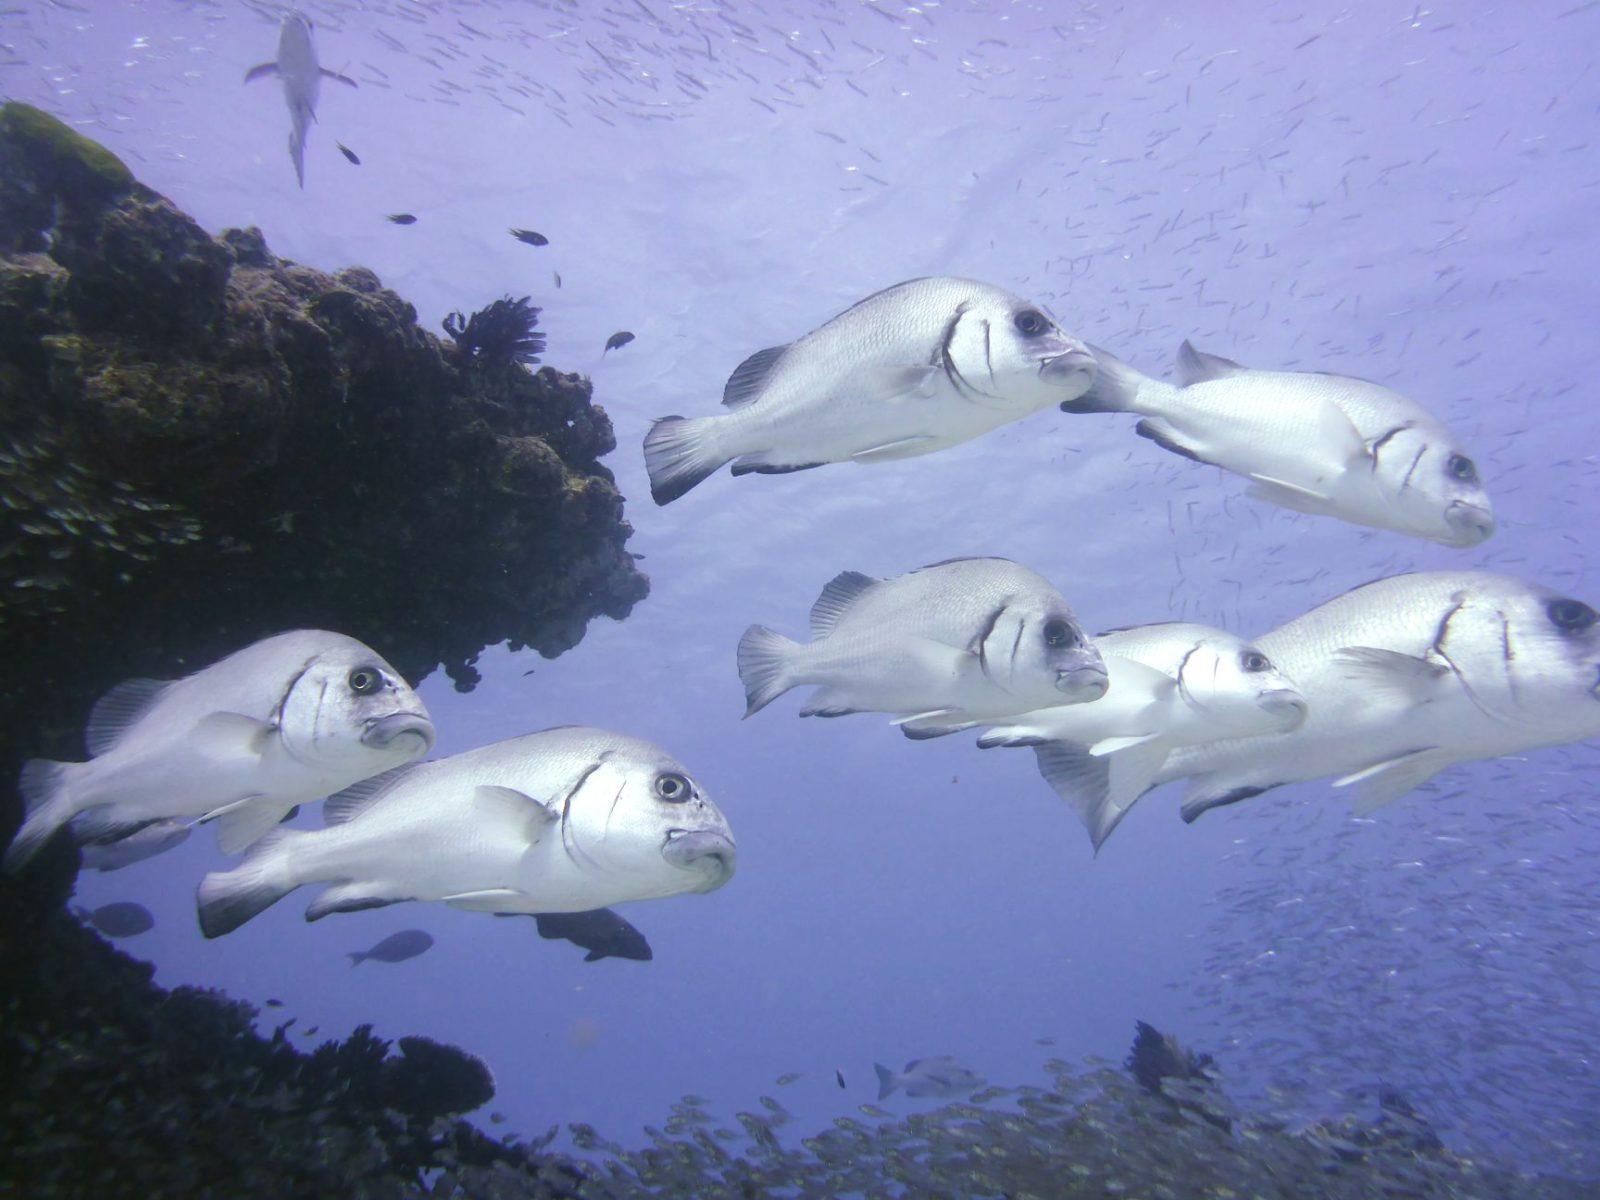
(397, 947)
(617, 341)
(529, 237)
(350, 155)
(122, 919)
(402, 219)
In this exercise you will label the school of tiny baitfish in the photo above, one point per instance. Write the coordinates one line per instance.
(1377, 690)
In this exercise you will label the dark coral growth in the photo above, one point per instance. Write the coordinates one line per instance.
(504, 332)
(112, 1087)
(201, 444)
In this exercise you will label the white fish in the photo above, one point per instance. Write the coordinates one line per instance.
(1322, 444)
(1407, 676)
(297, 68)
(946, 645)
(912, 369)
(155, 838)
(1173, 684)
(566, 820)
(942, 1077)
(241, 742)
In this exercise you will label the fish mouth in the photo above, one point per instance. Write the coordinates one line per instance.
(1469, 523)
(705, 851)
(385, 733)
(1289, 707)
(1080, 685)
(1075, 367)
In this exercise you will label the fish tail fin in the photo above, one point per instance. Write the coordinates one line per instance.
(887, 1083)
(680, 452)
(297, 154)
(356, 957)
(43, 788)
(227, 899)
(764, 661)
(1117, 388)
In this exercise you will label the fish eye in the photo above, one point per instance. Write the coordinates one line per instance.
(365, 680)
(672, 787)
(1571, 616)
(1030, 322)
(1253, 662)
(1058, 633)
(1461, 467)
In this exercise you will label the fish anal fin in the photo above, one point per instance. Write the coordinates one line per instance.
(348, 898)
(1102, 788)
(1162, 433)
(750, 377)
(827, 702)
(838, 596)
(1208, 793)
(120, 708)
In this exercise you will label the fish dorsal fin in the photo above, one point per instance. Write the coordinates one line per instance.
(1196, 366)
(358, 797)
(841, 592)
(750, 376)
(120, 708)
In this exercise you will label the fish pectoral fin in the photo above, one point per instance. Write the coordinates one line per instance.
(907, 447)
(489, 900)
(1290, 496)
(260, 71)
(1392, 778)
(327, 74)
(896, 384)
(527, 816)
(231, 734)
(244, 822)
(1101, 788)
(1403, 677)
(1114, 745)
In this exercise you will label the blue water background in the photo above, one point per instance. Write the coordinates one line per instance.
(1395, 191)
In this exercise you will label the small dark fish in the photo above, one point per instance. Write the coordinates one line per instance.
(618, 340)
(839, 1075)
(274, 1003)
(122, 919)
(397, 947)
(349, 154)
(309, 1031)
(497, 1118)
(556, 275)
(601, 932)
(402, 218)
(530, 237)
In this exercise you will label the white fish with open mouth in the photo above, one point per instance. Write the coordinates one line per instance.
(912, 369)
(566, 820)
(1172, 684)
(1328, 445)
(241, 742)
(945, 646)
(1407, 676)
(297, 68)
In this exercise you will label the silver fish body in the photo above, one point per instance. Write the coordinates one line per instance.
(942, 1077)
(301, 74)
(1407, 676)
(910, 370)
(1172, 684)
(943, 646)
(566, 820)
(1328, 445)
(241, 742)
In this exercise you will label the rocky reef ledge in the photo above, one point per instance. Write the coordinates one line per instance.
(201, 444)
